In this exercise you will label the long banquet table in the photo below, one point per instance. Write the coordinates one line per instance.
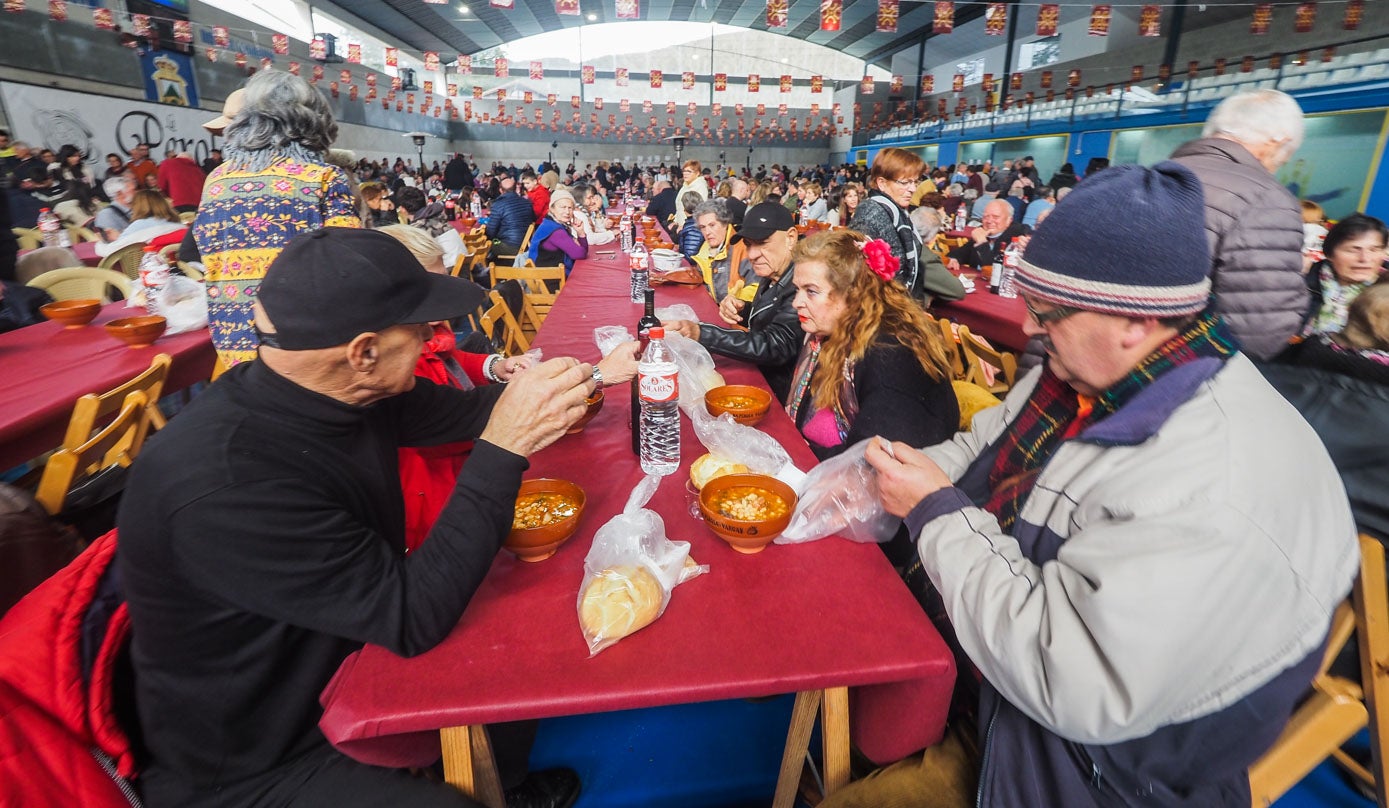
(47, 367)
(813, 619)
(997, 319)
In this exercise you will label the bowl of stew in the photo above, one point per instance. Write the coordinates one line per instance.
(546, 515)
(747, 404)
(747, 510)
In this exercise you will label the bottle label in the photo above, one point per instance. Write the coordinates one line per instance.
(660, 389)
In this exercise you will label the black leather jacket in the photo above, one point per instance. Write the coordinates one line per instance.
(774, 335)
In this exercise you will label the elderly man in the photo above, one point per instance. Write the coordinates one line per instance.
(142, 167)
(988, 241)
(113, 219)
(1120, 548)
(262, 534)
(510, 216)
(1253, 224)
(662, 205)
(181, 179)
(773, 336)
(724, 264)
(738, 201)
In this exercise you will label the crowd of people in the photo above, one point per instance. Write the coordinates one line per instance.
(1134, 556)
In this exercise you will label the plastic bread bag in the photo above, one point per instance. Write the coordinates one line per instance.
(680, 311)
(608, 337)
(697, 374)
(630, 571)
(183, 303)
(727, 439)
(840, 498)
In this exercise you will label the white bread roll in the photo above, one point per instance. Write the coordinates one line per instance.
(708, 467)
(619, 601)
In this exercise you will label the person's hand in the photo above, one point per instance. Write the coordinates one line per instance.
(538, 407)
(979, 235)
(905, 477)
(621, 365)
(510, 366)
(685, 328)
(730, 308)
(952, 265)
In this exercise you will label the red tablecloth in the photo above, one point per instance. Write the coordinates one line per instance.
(46, 368)
(997, 319)
(84, 250)
(791, 618)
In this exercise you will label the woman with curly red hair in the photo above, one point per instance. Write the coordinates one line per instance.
(872, 362)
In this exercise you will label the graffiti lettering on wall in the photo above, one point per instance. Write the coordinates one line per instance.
(100, 125)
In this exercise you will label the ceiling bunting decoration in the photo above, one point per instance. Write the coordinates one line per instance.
(183, 31)
(477, 92)
(346, 77)
(431, 61)
(500, 68)
(1306, 18)
(392, 57)
(1355, 13)
(780, 110)
(1048, 17)
(1046, 79)
(1193, 69)
(354, 53)
(786, 83)
(1262, 20)
(1016, 82)
(896, 87)
(657, 79)
(720, 82)
(211, 54)
(588, 74)
(58, 10)
(1275, 61)
(537, 71)
(928, 84)
(691, 107)
(453, 91)
(624, 105)
(944, 21)
(371, 79)
(220, 36)
(1220, 66)
(670, 107)
(465, 64)
(318, 49)
(620, 76)
(716, 109)
(646, 106)
(1136, 73)
(293, 66)
(995, 19)
(102, 19)
(1099, 20)
(1327, 54)
(502, 3)
(754, 82)
(817, 84)
(526, 97)
(1150, 21)
(957, 84)
(866, 86)
(140, 25)
(501, 95)
(574, 102)
(831, 14)
(566, 8)
(597, 103)
(777, 13)
(1073, 78)
(889, 11)
(352, 92)
(317, 73)
(280, 42)
(1246, 65)
(687, 80)
(629, 9)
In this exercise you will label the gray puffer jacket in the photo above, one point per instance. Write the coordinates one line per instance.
(1254, 227)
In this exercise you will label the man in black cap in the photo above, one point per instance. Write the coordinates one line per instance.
(773, 336)
(262, 531)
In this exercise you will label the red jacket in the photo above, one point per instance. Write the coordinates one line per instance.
(182, 181)
(540, 201)
(52, 715)
(428, 473)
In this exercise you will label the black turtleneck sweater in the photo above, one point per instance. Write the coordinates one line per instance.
(262, 541)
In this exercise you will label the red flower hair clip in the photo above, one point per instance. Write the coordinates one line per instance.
(880, 259)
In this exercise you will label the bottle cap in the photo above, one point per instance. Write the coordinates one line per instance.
(657, 332)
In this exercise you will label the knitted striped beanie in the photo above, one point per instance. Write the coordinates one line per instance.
(1128, 240)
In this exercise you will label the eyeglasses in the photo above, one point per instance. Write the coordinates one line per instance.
(1044, 318)
(908, 183)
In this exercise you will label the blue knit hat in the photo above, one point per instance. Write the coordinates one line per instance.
(1129, 240)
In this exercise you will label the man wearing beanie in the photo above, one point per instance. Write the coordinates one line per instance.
(1141, 549)
(262, 533)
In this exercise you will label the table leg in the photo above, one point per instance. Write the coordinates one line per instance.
(797, 741)
(834, 734)
(469, 765)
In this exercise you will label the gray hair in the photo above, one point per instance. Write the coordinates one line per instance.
(926, 222)
(1061, 194)
(283, 116)
(1256, 118)
(689, 201)
(716, 206)
(113, 186)
(970, 194)
(955, 189)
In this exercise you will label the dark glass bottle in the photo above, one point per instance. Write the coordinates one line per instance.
(644, 325)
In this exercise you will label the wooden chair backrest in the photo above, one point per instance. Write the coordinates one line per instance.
(511, 341)
(541, 286)
(1340, 707)
(952, 349)
(977, 352)
(29, 237)
(117, 443)
(93, 407)
(126, 260)
(526, 242)
(80, 283)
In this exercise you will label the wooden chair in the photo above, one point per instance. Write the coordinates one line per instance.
(526, 241)
(116, 444)
(541, 286)
(1340, 707)
(510, 341)
(478, 267)
(976, 352)
(126, 260)
(80, 283)
(93, 408)
(952, 349)
(29, 237)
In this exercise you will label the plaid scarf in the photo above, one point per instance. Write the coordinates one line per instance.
(1055, 413)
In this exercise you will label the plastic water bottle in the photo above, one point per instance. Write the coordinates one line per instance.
(51, 227)
(154, 274)
(641, 272)
(961, 219)
(658, 378)
(1006, 288)
(475, 208)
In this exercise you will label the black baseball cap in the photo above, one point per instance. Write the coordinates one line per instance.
(329, 285)
(762, 220)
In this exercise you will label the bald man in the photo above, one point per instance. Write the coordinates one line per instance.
(988, 241)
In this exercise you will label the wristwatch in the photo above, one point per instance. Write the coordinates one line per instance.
(597, 379)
